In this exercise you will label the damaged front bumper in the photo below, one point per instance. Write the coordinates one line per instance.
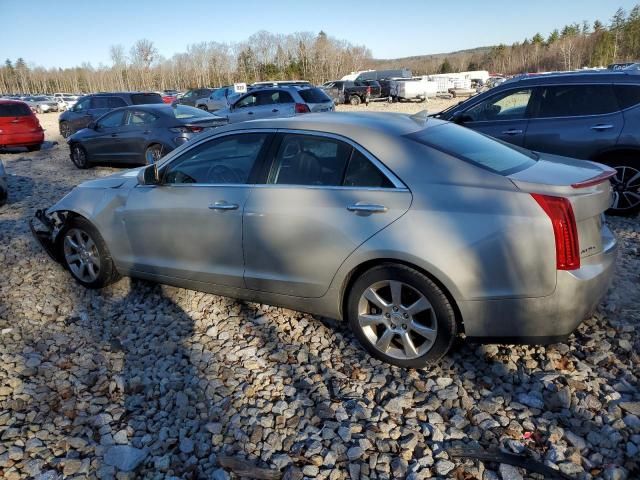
(46, 228)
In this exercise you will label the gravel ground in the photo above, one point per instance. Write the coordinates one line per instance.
(147, 381)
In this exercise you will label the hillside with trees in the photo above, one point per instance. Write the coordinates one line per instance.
(320, 57)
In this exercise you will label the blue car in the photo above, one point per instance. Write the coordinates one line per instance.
(139, 134)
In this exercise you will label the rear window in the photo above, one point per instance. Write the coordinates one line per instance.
(314, 95)
(475, 148)
(14, 110)
(577, 100)
(184, 112)
(145, 98)
(628, 95)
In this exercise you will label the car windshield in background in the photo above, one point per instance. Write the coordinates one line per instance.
(475, 148)
(68, 99)
(146, 98)
(39, 99)
(184, 112)
(314, 95)
(14, 110)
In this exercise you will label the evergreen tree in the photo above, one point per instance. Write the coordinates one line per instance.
(445, 67)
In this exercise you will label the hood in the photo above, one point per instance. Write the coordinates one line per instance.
(114, 181)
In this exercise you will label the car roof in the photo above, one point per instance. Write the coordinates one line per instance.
(119, 93)
(593, 76)
(8, 100)
(348, 124)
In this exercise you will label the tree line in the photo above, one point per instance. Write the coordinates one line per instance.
(320, 57)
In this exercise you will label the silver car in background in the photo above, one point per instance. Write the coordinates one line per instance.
(413, 230)
(220, 98)
(42, 104)
(277, 102)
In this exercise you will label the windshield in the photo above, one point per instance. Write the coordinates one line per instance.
(476, 148)
(184, 111)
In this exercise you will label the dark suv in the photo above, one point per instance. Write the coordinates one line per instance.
(591, 116)
(90, 107)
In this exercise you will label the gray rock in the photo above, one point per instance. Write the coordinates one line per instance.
(310, 471)
(281, 460)
(186, 445)
(575, 440)
(631, 407)
(530, 400)
(509, 472)
(613, 472)
(355, 453)
(443, 467)
(220, 474)
(124, 457)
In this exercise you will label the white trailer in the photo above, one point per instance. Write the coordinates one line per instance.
(416, 88)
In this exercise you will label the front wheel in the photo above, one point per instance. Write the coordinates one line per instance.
(153, 153)
(626, 188)
(79, 156)
(401, 316)
(354, 100)
(65, 129)
(85, 254)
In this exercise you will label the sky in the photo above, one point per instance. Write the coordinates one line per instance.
(66, 33)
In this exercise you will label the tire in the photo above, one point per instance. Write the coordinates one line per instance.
(354, 100)
(34, 148)
(3, 197)
(80, 244)
(625, 186)
(153, 153)
(436, 322)
(65, 130)
(79, 156)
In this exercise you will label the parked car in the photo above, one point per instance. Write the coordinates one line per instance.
(220, 98)
(412, 230)
(42, 104)
(19, 126)
(277, 102)
(4, 191)
(353, 92)
(139, 133)
(194, 95)
(281, 83)
(91, 107)
(67, 102)
(590, 116)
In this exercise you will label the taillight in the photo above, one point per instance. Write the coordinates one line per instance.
(565, 231)
(302, 108)
(369, 91)
(187, 129)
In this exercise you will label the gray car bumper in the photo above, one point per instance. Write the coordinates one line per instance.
(544, 320)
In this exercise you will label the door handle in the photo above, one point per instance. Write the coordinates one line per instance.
(222, 205)
(367, 208)
(602, 126)
(275, 110)
(512, 131)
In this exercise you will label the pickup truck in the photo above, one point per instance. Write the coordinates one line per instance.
(353, 92)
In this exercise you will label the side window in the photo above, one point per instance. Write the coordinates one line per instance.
(111, 120)
(116, 102)
(283, 97)
(226, 160)
(309, 160)
(362, 173)
(507, 106)
(138, 117)
(628, 95)
(189, 94)
(100, 102)
(248, 101)
(577, 100)
(82, 105)
(266, 98)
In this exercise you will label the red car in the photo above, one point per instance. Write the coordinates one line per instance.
(19, 126)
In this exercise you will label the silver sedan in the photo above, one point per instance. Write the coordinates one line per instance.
(412, 230)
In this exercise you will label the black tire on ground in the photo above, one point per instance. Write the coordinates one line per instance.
(153, 153)
(79, 156)
(34, 148)
(107, 272)
(444, 314)
(65, 130)
(626, 185)
(354, 100)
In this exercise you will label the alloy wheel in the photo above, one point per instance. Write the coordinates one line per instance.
(153, 154)
(65, 130)
(398, 320)
(626, 188)
(79, 156)
(81, 254)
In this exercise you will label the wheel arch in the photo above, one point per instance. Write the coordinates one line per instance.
(357, 271)
(616, 152)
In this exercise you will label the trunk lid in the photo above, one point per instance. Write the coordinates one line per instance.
(585, 184)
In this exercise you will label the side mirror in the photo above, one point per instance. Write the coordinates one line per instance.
(460, 118)
(149, 175)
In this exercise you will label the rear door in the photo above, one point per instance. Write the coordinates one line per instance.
(135, 134)
(502, 116)
(260, 104)
(81, 116)
(321, 198)
(576, 121)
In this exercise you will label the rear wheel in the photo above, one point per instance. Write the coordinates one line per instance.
(626, 187)
(79, 156)
(153, 153)
(85, 254)
(401, 316)
(65, 129)
(354, 100)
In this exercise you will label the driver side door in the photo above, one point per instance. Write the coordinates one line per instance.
(504, 116)
(189, 227)
(103, 142)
